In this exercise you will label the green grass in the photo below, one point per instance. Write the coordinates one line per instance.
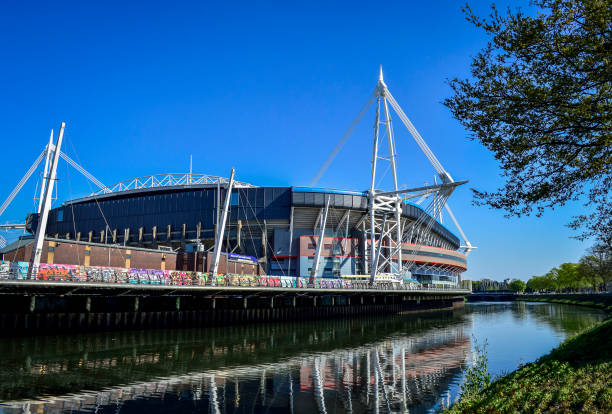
(574, 377)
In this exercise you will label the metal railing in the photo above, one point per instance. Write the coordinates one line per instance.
(181, 279)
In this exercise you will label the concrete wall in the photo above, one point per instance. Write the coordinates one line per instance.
(25, 315)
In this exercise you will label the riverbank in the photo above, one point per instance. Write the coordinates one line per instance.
(574, 377)
(599, 301)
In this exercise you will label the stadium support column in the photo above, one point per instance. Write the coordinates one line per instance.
(398, 205)
(41, 229)
(221, 228)
(218, 209)
(364, 241)
(372, 194)
(264, 244)
(378, 250)
(290, 240)
(239, 235)
(317, 258)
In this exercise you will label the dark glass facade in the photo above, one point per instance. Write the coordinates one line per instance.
(197, 207)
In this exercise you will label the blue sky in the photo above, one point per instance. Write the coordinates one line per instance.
(267, 88)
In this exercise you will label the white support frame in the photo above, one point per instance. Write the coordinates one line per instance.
(290, 239)
(221, 228)
(317, 258)
(48, 151)
(386, 229)
(41, 228)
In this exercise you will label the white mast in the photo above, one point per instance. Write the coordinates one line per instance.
(317, 259)
(48, 151)
(41, 228)
(385, 209)
(389, 234)
(221, 228)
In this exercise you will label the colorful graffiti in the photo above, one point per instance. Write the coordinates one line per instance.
(104, 274)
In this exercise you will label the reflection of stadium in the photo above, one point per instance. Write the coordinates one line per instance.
(408, 372)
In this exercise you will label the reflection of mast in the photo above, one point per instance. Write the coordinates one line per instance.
(290, 393)
(346, 381)
(237, 393)
(404, 405)
(379, 374)
(262, 387)
(375, 382)
(318, 384)
(214, 404)
(368, 378)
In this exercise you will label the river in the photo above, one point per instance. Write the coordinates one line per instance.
(362, 365)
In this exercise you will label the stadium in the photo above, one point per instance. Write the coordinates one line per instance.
(279, 227)
(176, 221)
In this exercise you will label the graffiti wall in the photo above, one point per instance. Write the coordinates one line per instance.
(104, 274)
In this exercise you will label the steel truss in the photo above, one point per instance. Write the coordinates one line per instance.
(168, 180)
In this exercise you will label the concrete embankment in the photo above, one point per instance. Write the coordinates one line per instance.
(28, 308)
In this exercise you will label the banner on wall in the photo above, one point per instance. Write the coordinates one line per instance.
(241, 258)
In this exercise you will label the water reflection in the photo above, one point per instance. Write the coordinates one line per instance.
(563, 319)
(386, 364)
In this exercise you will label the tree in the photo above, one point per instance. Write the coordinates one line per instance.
(540, 98)
(568, 277)
(598, 264)
(537, 284)
(588, 268)
(551, 279)
(517, 285)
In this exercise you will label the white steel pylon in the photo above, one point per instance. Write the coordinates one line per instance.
(385, 209)
(386, 231)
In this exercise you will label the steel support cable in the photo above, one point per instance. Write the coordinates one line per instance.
(450, 212)
(82, 170)
(21, 183)
(107, 225)
(72, 212)
(415, 134)
(248, 227)
(419, 223)
(267, 242)
(343, 140)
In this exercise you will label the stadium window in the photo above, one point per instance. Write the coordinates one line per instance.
(311, 246)
(60, 215)
(234, 199)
